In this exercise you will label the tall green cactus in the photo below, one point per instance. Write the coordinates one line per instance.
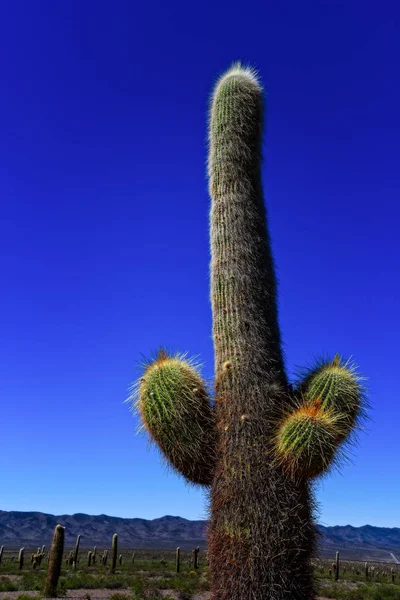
(262, 442)
(55, 560)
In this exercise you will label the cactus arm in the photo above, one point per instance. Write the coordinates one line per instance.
(176, 412)
(329, 409)
(337, 384)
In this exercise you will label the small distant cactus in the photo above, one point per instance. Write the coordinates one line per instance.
(21, 558)
(1, 553)
(178, 560)
(114, 550)
(133, 558)
(337, 564)
(120, 559)
(89, 558)
(196, 558)
(76, 552)
(55, 560)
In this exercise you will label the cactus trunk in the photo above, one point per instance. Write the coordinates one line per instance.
(261, 532)
(55, 559)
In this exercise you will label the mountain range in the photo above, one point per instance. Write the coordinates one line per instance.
(31, 529)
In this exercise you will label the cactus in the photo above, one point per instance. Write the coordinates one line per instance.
(75, 559)
(114, 552)
(21, 558)
(178, 560)
(55, 560)
(94, 555)
(89, 558)
(120, 559)
(1, 553)
(337, 564)
(196, 558)
(262, 441)
(133, 558)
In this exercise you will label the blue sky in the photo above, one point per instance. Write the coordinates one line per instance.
(104, 250)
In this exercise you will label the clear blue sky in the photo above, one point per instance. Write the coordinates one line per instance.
(104, 250)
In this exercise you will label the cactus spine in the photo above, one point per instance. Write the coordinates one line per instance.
(55, 560)
(114, 552)
(264, 440)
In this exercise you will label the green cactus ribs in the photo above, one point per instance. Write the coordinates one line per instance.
(307, 440)
(175, 409)
(339, 386)
(330, 404)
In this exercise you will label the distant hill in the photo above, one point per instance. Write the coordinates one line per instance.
(32, 529)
